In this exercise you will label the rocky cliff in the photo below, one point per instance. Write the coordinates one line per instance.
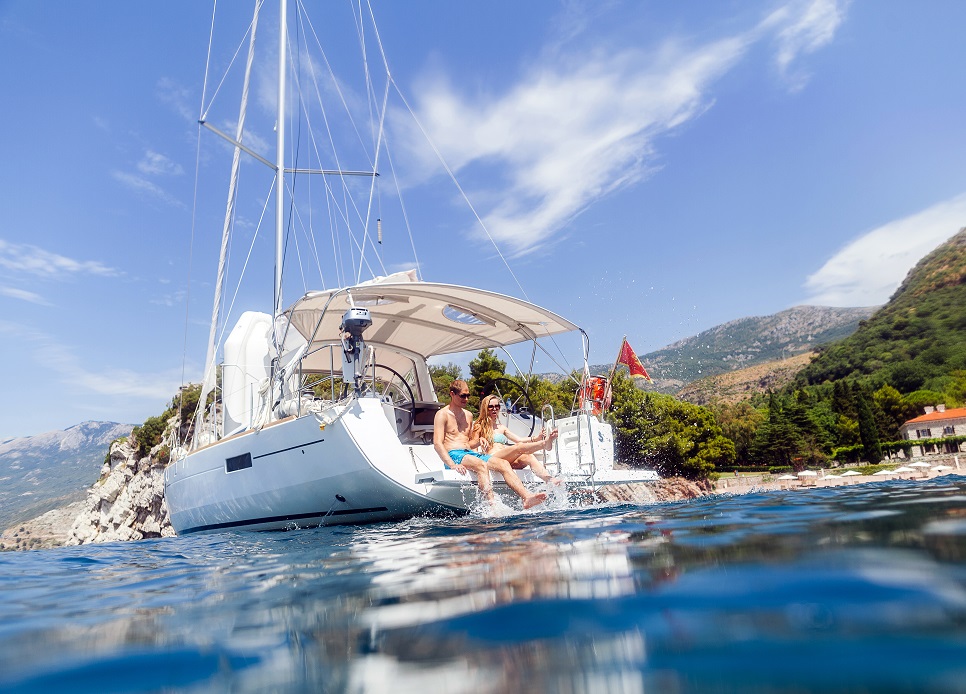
(127, 502)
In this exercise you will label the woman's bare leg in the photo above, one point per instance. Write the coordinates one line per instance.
(536, 467)
(501, 465)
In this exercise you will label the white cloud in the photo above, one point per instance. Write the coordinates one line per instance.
(176, 298)
(568, 135)
(868, 270)
(802, 28)
(23, 295)
(36, 261)
(176, 96)
(142, 185)
(581, 124)
(56, 357)
(155, 164)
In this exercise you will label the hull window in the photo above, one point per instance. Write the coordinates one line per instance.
(239, 462)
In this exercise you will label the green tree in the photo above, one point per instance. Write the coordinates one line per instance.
(676, 438)
(442, 377)
(842, 399)
(893, 410)
(955, 391)
(486, 362)
(778, 440)
(919, 399)
(485, 368)
(544, 392)
(739, 422)
(846, 431)
(149, 434)
(868, 431)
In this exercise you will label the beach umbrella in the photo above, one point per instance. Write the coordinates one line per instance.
(920, 464)
(850, 473)
(806, 477)
(942, 468)
(903, 469)
(787, 477)
(883, 473)
(830, 477)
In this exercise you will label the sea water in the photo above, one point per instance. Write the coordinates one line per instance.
(857, 588)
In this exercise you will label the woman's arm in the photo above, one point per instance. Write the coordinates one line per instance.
(513, 437)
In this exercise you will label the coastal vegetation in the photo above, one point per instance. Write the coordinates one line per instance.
(848, 403)
(651, 429)
(845, 405)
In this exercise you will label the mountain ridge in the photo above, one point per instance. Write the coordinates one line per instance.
(917, 339)
(748, 341)
(41, 472)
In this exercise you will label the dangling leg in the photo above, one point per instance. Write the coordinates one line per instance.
(501, 465)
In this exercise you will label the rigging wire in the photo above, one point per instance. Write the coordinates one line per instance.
(194, 218)
(296, 63)
(402, 207)
(224, 76)
(446, 166)
(348, 200)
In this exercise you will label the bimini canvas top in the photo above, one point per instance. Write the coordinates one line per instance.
(426, 318)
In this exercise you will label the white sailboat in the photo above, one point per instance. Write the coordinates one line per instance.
(324, 411)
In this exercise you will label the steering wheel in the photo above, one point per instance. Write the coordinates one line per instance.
(392, 388)
(520, 403)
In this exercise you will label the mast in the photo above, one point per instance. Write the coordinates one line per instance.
(276, 376)
(280, 159)
(209, 379)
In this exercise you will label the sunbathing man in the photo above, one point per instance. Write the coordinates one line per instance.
(454, 443)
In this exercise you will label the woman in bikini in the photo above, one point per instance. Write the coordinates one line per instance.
(494, 436)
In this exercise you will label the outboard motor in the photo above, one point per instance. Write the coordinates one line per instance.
(354, 323)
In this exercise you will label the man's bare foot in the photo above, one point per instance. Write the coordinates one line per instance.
(534, 500)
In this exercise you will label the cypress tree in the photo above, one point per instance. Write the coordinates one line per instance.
(868, 431)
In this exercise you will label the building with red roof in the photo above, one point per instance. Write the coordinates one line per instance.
(936, 423)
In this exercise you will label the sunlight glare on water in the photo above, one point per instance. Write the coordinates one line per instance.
(843, 589)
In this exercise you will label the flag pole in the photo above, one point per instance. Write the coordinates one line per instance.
(609, 387)
(620, 351)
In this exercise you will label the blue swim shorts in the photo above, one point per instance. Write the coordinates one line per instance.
(457, 455)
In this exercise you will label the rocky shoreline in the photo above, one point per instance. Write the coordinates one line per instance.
(127, 503)
(43, 532)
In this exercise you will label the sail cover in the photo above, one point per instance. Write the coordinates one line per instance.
(425, 318)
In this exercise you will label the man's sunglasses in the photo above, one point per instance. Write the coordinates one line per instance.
(461, 395)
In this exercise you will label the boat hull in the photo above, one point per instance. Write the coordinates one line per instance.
(295, 473)
(348, 469)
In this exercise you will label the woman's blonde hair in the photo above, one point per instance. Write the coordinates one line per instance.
(484, 425)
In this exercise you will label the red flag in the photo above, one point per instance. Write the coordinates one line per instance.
(630, 360)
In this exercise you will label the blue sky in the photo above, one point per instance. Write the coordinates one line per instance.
(647, 168)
